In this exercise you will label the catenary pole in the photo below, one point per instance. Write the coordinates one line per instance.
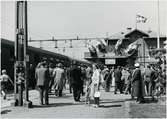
(158, 27)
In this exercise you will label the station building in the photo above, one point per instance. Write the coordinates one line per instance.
(147, 43)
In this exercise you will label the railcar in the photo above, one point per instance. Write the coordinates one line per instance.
(35, 56)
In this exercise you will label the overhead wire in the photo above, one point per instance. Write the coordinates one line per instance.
(86, 41)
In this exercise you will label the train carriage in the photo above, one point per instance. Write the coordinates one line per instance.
(35, 56)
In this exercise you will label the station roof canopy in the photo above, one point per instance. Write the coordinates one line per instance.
(34, 49)
(126, 33)
(136, 31)
(59, 57)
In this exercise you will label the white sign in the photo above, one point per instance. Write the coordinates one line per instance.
(109, 61)
(27, 58)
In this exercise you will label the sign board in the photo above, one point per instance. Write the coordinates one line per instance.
(101, 55)
(109, 61)
(27, 58)
(20, 63)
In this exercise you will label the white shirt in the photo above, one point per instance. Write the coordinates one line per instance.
(96, 77)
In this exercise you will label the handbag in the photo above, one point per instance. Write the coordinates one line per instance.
(97, 94)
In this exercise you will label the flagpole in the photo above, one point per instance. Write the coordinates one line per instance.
(158, 28)
(136, 21)
(107, 37)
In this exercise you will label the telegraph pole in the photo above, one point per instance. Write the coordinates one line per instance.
(16, 54)
(21, 72)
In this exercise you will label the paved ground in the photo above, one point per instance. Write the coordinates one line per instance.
(149, 109)
(111, 106)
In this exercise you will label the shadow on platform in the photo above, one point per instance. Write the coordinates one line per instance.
(5, 111)
(111, 101)
(54, 105)
(64, 96)
(109, 106)
(149, 100)
(146, 100)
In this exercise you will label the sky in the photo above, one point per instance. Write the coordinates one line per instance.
(83, 18)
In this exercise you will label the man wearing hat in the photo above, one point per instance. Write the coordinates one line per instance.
(118, 75)
(43, 78)
(59, 77)
(137, 90)
(107, 78)
(147, 79)
(76, 81)
(126, 77)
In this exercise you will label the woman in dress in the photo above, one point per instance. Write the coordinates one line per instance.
(95, 85)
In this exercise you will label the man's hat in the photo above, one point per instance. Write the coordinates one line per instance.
(43, 63)
(74, 63)
(137, 65)
(59, 65)
(3, 71)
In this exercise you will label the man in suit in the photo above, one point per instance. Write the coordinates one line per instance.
(69, 79)
(51, 76)
(117, 75)
(147, 79)
(76, 82)
(43, 79)
(137, 86)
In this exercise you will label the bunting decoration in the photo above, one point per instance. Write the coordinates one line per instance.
(102, 45)
(140, 19)
(92, 51)
(118, 48)
(132, 46)
(118, 44)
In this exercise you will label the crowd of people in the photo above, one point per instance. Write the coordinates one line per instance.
(88, 80)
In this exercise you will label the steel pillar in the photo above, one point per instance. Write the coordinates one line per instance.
(21, 79)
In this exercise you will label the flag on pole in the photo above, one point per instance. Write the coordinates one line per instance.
(141, 19)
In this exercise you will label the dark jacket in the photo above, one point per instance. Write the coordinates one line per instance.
(117, 75)
(137, 83)
(75, 75)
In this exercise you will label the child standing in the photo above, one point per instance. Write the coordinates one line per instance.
(4, 78)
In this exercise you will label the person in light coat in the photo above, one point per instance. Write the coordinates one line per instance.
(59, 77)
(96, 77)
